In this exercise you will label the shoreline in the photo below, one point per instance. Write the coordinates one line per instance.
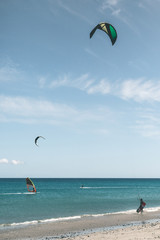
(86, 225)
(69, 218)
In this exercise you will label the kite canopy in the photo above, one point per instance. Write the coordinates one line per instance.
(36, 139)
(108, 29)
(30, 185)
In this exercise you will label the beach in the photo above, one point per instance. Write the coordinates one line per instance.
(113, 226)
(144, 231)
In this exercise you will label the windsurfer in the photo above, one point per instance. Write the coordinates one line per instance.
(30, 185)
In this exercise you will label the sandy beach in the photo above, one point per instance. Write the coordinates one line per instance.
(143, 231)
(114, 226)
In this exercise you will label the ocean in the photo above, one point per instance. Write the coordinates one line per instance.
(58, 199)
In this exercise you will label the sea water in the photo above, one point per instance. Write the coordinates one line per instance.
(58, 199)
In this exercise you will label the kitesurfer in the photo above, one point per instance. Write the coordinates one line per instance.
(142, 205)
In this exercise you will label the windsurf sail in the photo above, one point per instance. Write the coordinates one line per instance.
(30, 185)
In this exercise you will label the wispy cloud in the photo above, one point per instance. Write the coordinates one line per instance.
(102, 87)
(103, 60)
(14, 162)
(148, 130)
(118, 9)
(140, 90)
(28, 107)
(83, 83)
(148, 4)
(71, 11)
(148, 122)
(42, 82)
(29, 110)
(91, 53)
(9, 72)
(112, 5)
(116, 12)
(101, 131)
(109, 4)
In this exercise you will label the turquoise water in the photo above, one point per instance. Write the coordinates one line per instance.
(59, 198)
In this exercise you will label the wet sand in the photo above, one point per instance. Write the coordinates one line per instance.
(99, 227)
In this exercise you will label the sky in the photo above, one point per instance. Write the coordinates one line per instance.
(96, 105)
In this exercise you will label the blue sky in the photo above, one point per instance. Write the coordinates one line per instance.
(97, 105)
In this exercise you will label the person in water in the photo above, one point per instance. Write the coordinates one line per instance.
(142, 205)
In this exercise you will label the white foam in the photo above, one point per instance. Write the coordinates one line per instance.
(40, 221)
(105, 187)
(19, 193)
(60, 219)
(119, 187)
(112, 213)
(154, 209)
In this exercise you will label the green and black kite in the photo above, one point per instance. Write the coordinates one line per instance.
(108, 29)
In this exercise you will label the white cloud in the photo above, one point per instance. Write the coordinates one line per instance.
(83, 83)
(9, 72)
(27, 110)
(4, 160)
(109, 3)
(148, 130)
(72, 11)
(116, 12)
(16, 162)
(140, 90)
(145, 120)
(102, 87)
(148, 4)
(61, 82)
(91, 53)
(113, 6)
(42, 81)
(103, 132)
(148, 127)
(118, 9)
(27, 107)
(101, 59)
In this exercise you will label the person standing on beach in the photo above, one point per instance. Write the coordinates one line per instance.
(142, 205)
